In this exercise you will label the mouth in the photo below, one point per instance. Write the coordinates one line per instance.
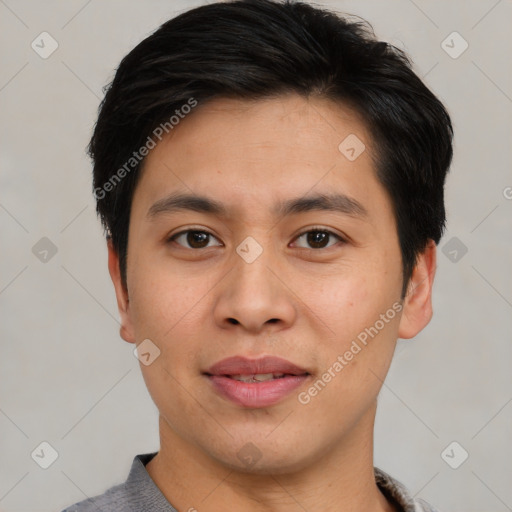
(255, 383)
(259, 377)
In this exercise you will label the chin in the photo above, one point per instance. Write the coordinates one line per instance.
(261, 457)
(266, 467)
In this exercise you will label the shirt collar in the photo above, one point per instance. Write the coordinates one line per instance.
(141, 489)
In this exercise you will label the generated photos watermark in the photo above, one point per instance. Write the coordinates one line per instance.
(143, 151)
(344, 359)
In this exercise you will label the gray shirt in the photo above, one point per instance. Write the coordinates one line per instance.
(139, 494)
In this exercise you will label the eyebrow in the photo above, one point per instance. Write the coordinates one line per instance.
(339, 203)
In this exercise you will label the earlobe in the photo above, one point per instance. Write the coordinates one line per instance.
(417, 305)
(126, 330)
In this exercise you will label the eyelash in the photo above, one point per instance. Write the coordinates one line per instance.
(310, 230)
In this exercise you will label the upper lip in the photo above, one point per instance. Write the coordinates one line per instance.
(239, 365)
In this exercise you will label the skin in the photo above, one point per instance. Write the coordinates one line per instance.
(299, 301)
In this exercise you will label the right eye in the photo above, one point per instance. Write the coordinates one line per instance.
(196, 239)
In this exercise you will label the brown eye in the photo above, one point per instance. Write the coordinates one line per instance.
(192, 239)
(319, 238)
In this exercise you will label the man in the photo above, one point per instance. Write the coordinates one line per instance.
(270, 178)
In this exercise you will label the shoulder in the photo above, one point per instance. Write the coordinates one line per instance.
(423, 506)
(138, 492)
(114, 499)
(397, 493)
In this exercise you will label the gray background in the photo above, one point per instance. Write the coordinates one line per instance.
(67, 377)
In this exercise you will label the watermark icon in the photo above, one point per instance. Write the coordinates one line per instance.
(351, 147)
(454, 249)
(249, 250)
(507, 193)
(249, 454)
(143, 151)
(44, 250)
(146, 352)
(44, 45)
(44, 455)
(454, 455)
(454, 45)
(343, 360)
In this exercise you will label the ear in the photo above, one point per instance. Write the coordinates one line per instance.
(123, 302)
(417, 305)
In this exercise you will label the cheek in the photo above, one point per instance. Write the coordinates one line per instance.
(343, 303)
(165, 302)
(358, 346)
(350, 308)
(165, 308)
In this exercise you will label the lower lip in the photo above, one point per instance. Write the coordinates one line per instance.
(256, 394)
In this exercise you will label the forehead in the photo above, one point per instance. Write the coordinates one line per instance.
(250, 152)
(285, 125)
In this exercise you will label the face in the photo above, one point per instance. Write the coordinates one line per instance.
(292, 252)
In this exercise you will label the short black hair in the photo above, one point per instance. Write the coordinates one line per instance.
(257, 49)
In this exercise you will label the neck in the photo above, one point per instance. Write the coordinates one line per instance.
(340, 479)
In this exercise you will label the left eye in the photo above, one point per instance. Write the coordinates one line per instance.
(317, 238)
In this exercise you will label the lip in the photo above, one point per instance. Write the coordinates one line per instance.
(255, 394)
(239, 365)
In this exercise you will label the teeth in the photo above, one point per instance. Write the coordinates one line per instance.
(259, 377)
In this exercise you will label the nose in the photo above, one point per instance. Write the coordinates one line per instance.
(255, 296)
